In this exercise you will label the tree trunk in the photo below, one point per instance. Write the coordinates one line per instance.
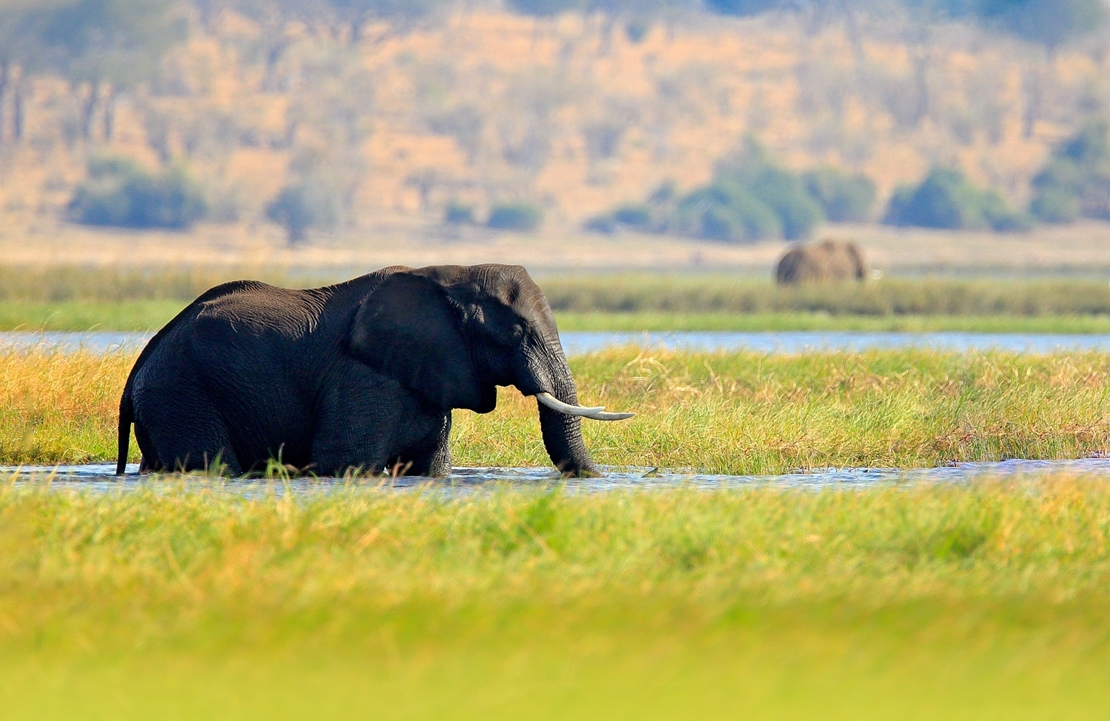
(851, 30)
(110, 114)
(1031, 87)
(608, 28)
(5, 78)
(89, 110)
(921, 86)
(17, 112)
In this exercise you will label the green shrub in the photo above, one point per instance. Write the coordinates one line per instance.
(457, 213)
(119, 193)
(301, 206)
(631, 217)
(634, 216)
(636, 30)
(726, 211)
(784, 193)
(843, 198)
(1055, 205)
(751, 198)
(1001, 217)
(946, 199)
(1076, 180)
(515, 216)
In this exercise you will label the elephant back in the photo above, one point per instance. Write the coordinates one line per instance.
(829, 260)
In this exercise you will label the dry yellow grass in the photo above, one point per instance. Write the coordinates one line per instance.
(736, 413)
(58, 407)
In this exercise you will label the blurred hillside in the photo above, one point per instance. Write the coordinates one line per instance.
(474, 105)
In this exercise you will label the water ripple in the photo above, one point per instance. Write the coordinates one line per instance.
(99, 478)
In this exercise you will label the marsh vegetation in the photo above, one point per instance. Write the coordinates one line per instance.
(186, 599)
(194, 597)
(76, 298)
(736, 413)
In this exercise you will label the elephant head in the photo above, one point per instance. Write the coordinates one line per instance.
(453, 334)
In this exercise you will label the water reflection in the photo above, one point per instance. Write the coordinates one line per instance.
(99, 478)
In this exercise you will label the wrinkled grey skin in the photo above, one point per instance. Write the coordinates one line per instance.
(829, 260)
(360, 375)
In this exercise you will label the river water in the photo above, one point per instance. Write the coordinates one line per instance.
(99, 478)
(579, 342)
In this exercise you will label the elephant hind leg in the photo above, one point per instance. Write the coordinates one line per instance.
(192, 438)
(148, 462)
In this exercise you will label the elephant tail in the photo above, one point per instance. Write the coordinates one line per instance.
(126, 416)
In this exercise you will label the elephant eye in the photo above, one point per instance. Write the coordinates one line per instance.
(511, 335)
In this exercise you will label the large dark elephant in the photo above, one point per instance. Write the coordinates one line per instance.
(829, 260)
(360, 375)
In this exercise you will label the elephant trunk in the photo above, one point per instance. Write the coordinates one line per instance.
(562, 432)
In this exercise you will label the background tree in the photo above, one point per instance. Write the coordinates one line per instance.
(358, 14)
(742, 8)
(273, 18)
(1051, 23)
(637, 16)
(1048, 23)
(18, 48)
(1076, 179)
(106, 45)
(543, 8)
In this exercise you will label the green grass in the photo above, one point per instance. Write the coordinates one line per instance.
(138, 299)
(926, 296)
(87, 315)
(116, 284)
(186, 601)
(190, 599)
(798, 321)
(741, 413)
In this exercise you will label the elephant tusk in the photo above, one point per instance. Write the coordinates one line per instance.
(603, 416)
(557, 405)
(597, 413)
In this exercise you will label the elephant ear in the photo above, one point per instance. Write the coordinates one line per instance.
(408, 329)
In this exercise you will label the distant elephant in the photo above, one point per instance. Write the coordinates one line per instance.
(356, 376)
(825, 261)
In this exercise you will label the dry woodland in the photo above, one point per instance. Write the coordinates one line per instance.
(476, 106)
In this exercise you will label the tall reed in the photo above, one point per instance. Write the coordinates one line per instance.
(720, 412)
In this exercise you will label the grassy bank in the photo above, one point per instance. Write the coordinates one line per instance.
(182, 601)
(818, 321)
(611, 293)
(149, 315)
(729, 413)
(129, 299)
(927, 296)
(88, 315)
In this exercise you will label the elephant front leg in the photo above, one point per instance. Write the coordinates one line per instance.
(431, 456)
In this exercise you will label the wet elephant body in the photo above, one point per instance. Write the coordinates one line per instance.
(360, 375)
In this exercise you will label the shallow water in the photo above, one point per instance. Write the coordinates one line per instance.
(579, 342)
(99, 478)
